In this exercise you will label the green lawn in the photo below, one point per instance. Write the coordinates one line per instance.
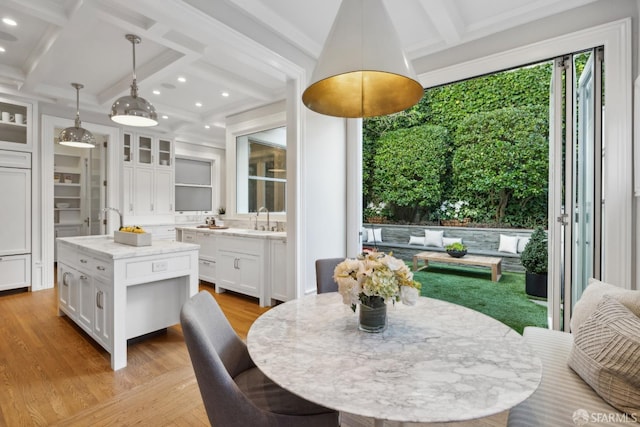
(472, 287)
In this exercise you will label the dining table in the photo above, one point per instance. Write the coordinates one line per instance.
(435, 362)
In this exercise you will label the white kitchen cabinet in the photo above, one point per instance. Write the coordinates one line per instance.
(16, 134)
(103, 313)
(68, 289)
(240, 266)
(15, 271)
(278, 271)
(148, 178)
(207, 256)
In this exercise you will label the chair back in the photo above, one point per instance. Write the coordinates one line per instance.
(324, 274)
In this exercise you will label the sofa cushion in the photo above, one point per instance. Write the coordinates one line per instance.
(416, 240)
(606, 354)
(562, 394)
(594, 293)
(374, 235)
(446, 241)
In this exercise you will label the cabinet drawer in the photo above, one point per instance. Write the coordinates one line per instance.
(207, 242)
(15, 271)
(189, 236)
(148, 269)
(101, 268)
(207, 270)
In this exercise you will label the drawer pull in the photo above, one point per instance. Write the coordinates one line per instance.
(99, 300)
(64, 278)
(206, 262)
(83, 277)
(101, 268)
(84, 261)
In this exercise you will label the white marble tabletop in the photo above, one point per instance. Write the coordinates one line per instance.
(435, 362)
(103, 245)
(238, 232)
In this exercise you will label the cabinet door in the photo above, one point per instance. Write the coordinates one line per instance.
(86, 300)
(164, 155)
(103, 312)
(207, 242)
(144, 153)
(68, 289)
(128, 188)
(15, 271)
(15, 211)
(278, 271)
(164, 192)
(143, 191)
(227, 270)
(248, 267)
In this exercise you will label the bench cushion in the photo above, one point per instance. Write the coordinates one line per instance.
(562, 394)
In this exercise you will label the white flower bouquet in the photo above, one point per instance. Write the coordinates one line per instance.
(373, 278)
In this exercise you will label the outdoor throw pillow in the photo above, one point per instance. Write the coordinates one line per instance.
(416, 240)
(433, 238)
(593, 294)
(606, 355)
(374, 235)
(508, 244)
(450, 240)
(522, 243)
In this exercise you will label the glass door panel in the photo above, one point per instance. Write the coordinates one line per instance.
(144, 150)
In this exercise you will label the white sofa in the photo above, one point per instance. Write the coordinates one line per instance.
(562, 394)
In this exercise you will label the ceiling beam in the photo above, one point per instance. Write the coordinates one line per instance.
(446, 19)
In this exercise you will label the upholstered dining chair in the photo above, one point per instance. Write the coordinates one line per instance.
(235, 392)
(324, 274)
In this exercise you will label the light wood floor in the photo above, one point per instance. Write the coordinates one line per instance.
(52, 373)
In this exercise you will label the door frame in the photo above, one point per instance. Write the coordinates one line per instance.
(48, 126)
(616, 37)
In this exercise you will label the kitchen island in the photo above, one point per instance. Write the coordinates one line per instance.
(116, 292)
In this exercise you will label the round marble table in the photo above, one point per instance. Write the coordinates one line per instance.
(435, 362)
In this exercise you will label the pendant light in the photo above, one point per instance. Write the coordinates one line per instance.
(132, 110)
(77, 136)
(362, 70)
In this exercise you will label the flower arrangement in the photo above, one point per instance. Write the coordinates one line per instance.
(375, 276)
(376, 212)
(459, 210)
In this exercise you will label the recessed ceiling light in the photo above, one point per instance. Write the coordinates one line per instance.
(198, 104)
(225, 94)
(2, 49)
(207, 127)
(165, 117)
(182, 79)
(156, 92)
(9, 21)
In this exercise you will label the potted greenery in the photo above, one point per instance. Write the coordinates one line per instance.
(534, 260)
(456, 250)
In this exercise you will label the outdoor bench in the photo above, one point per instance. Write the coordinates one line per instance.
(479, 241)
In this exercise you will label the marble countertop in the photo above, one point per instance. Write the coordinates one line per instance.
(435, 362)
(239, 232)
(105, 246)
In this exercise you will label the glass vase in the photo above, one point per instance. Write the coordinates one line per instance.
(373, 319)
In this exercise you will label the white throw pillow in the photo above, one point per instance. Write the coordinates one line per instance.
(433, 238)
(416, 240)
(446, 241)
(522, 243)
(374, 235)
(594, 293)
(508, 244)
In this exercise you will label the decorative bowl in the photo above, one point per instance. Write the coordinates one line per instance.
(457, 254)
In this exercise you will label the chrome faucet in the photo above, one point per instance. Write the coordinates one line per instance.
(262, 209)
(115, 210)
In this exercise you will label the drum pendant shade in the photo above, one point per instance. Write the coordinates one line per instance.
(362, 70)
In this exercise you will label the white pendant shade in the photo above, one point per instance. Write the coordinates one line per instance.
(362, 70)
(77, 136)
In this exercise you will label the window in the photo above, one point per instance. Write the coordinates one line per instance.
(194, 189)
(261, 159)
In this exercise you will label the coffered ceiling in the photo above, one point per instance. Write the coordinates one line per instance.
(234, 55)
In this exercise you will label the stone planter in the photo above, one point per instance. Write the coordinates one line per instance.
(455, 222)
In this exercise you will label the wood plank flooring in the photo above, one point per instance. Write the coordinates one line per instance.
(52, 373)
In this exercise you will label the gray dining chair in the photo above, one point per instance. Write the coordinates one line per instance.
(235, 392)
(324, 274)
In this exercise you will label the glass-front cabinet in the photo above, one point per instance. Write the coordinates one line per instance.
(15, 124)
(145, 150)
